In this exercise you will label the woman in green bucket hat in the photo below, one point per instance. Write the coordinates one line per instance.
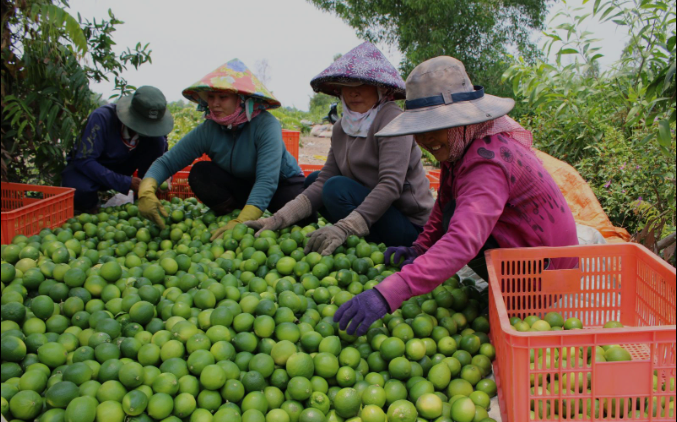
(250, 169)
(118, 139)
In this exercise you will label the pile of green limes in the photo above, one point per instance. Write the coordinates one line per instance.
(109, 318)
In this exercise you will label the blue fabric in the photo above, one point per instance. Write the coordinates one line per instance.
(254, 152)
(101, 161)
(342, 195)
(439, 99)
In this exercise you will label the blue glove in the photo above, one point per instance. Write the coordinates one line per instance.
(395, 253)
(363, 310)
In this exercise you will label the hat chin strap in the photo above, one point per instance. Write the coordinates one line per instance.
(445, 98)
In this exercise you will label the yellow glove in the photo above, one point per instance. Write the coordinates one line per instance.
(149, 206)
(248, 213)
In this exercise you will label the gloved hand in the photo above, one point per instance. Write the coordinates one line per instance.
(327, 239)
(249, 212)
(149, 206)
(293, 211)
(362, 310)
(395, 253)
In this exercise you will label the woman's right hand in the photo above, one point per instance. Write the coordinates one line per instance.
(394, 253)
(150, 206)
(270, 223)
(295, 210)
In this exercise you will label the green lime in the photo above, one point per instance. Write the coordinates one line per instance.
(111, 271)
(374, 395)
(573, 324)
(429, 406)
(255, 400)
(299, 388)
(110, 411)
(81, 409)
(61, 393)
(160, 406)
(42, 307)
(78, 373)
(52, 354)
(134, 403)
(300, 365)
(253, 415)
(13, 349)
(463, 410)
(617, 354)
(402, 411)
(347, 402)
(25, 405)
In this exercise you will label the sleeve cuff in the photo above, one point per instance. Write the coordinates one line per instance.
(420, 250)
(395, 291)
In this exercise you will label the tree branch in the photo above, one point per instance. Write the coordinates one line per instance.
(665, 242)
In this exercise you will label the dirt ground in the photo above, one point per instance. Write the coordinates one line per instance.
(313, 150)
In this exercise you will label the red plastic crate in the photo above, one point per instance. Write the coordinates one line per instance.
(28, 216)
(291, 140)
(621, 282)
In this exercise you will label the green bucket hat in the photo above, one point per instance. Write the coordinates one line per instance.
(145, 112)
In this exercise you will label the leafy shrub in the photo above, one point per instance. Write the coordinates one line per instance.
(616, 127)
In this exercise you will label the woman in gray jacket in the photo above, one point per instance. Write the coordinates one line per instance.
(373, 187)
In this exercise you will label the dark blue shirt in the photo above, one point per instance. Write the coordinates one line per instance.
(102, 147)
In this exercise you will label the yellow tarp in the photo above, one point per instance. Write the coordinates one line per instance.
(581, 199)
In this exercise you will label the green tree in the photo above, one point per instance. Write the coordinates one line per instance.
(479, 33)
(48, 60)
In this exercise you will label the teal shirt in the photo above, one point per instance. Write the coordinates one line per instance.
(254, 152)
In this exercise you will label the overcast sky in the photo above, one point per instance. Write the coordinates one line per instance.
(190, 39)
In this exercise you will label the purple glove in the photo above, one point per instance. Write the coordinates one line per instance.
(395, 253)
(362, 310)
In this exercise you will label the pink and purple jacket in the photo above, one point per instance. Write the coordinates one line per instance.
(501, 189)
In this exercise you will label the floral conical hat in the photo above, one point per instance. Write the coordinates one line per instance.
(364, 64)
(234, 77)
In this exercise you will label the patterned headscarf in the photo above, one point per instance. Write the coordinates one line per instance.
(245, 112)
(462, 136)
(358, 124)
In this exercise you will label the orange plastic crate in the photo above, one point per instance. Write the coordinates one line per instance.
(180, 187)
(621, 282)
(310, 168)
(291, 140)
(434, 180)
(28, 216)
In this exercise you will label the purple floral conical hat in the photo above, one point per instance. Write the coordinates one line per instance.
(364, 64)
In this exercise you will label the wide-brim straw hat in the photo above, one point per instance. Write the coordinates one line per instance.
(363, 65)
(233, 77)
(440, 96)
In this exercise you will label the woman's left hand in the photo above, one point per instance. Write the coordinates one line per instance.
(248, 213)
(363, 310)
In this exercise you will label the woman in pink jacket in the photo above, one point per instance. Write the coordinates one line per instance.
(494, 192)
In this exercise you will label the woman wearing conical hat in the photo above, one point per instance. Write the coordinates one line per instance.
(494, 192)
(250, 169)
(373, 187)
